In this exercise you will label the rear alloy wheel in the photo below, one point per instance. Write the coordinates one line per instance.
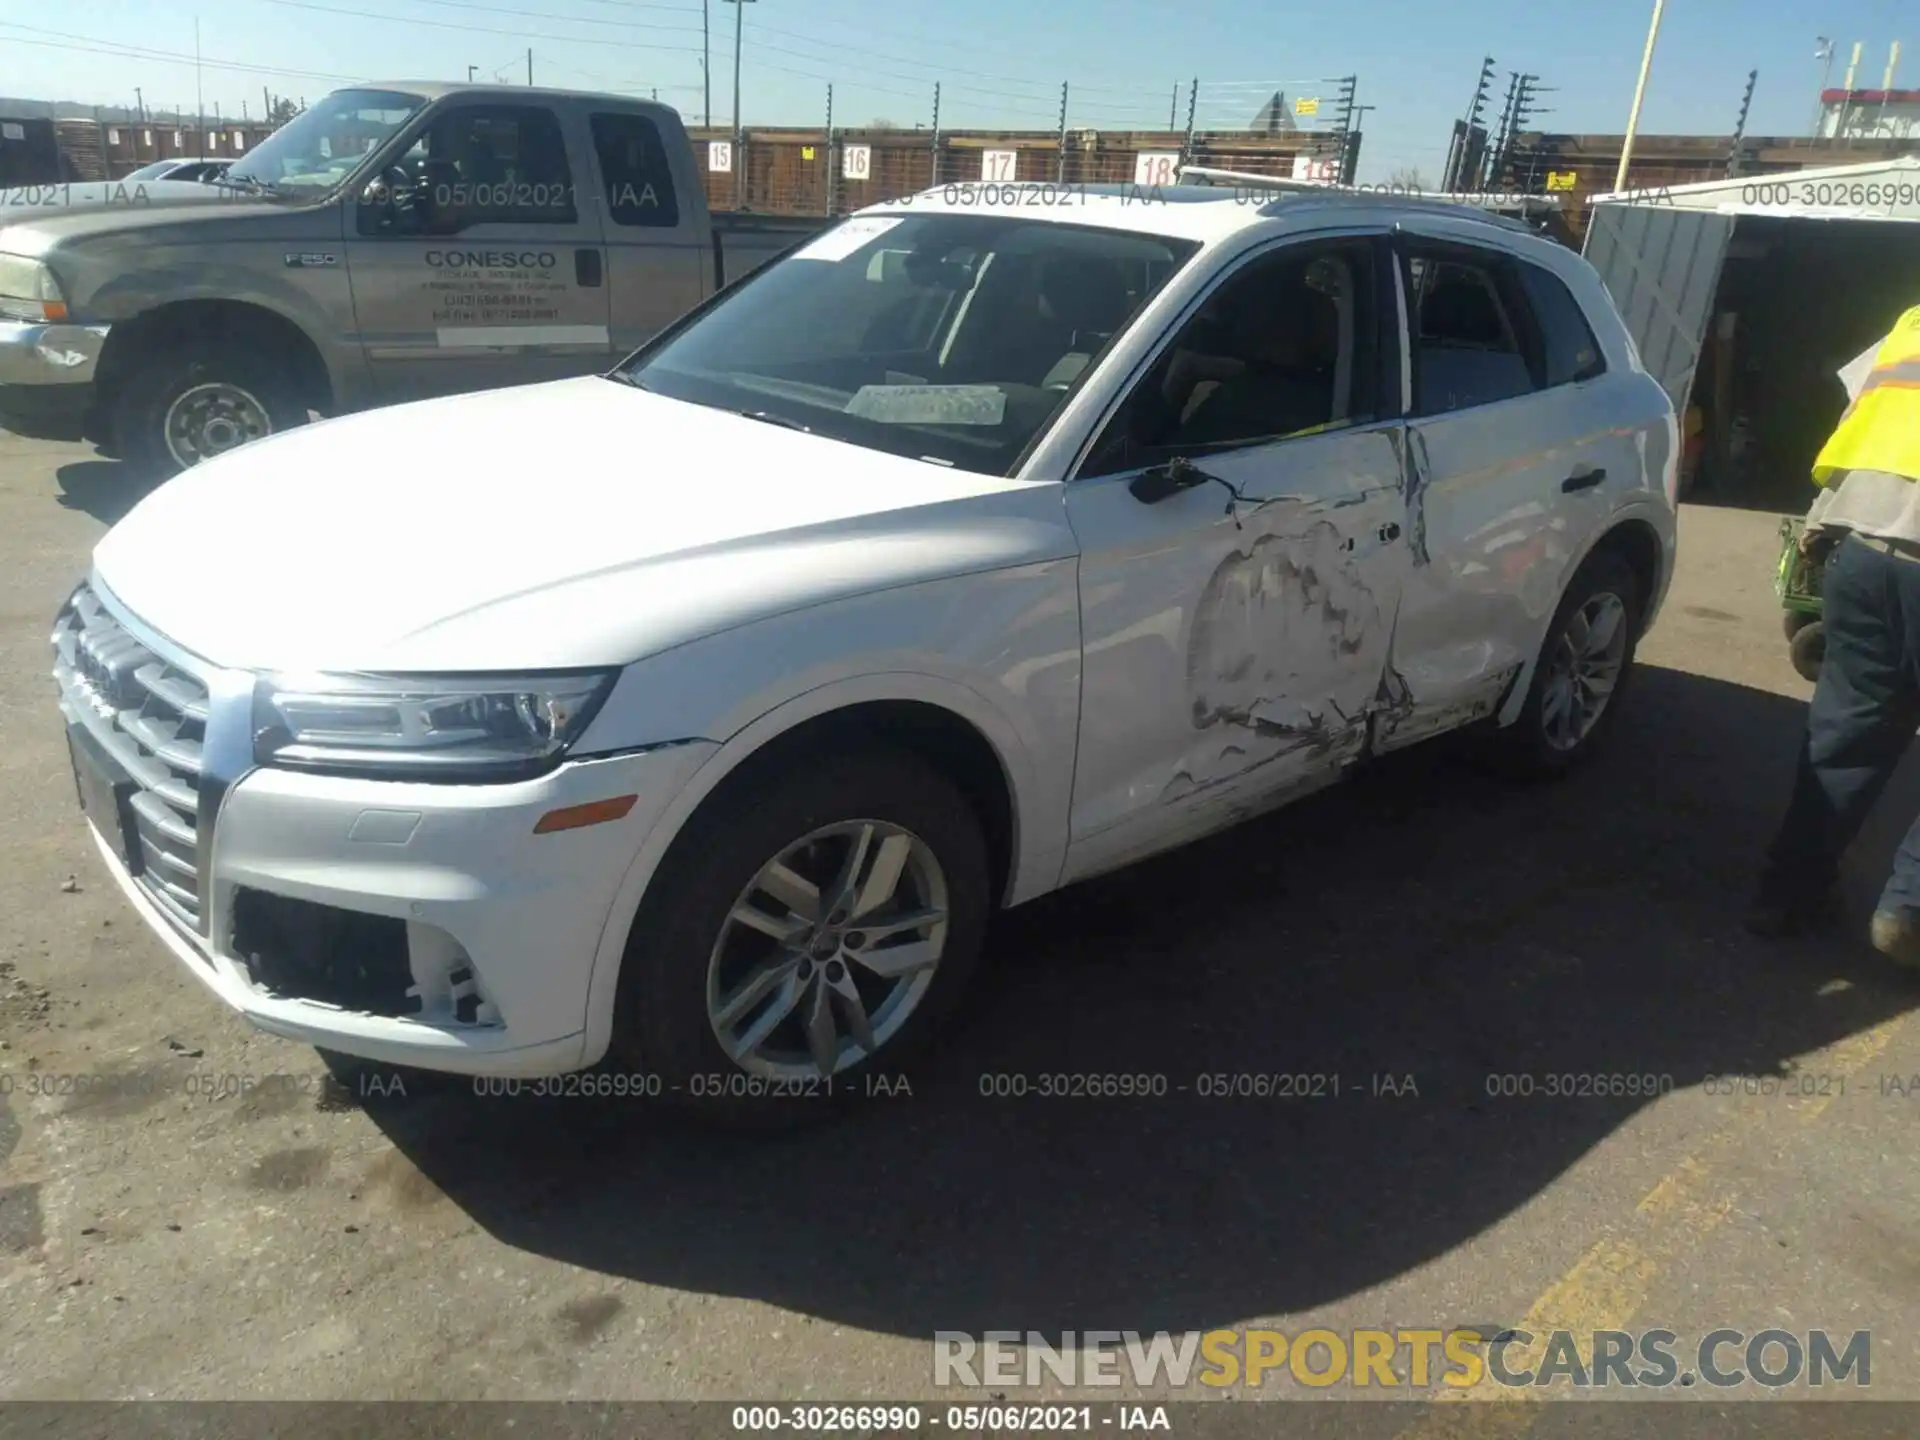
(1583, 667)
(807, 931)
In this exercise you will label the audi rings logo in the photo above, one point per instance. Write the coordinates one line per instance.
(492, 259)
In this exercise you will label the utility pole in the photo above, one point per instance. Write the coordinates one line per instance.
(1639, 95)
(1173, 110)
(199, 103)
(1886, 89)
(1846, 102)
(828, 147)
(1497, 155)
(471, 69)
(739, 9)
(1462, 148)
(1823, 52)
(140, 101)
(266, 102)
(529, 65)
(706, 63)
(1060, 153)
(933, 167)
(1740, 126)
(1193, 103)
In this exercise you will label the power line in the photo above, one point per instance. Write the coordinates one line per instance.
(93, 46)
(486, 30)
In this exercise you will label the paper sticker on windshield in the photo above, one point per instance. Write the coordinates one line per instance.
(844, 239)
(930, 404)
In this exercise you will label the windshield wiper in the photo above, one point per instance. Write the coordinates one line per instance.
(248, 183)
(770, 419)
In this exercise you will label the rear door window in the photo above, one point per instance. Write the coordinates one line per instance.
(1569, 352)
(1467, 340)
(635, 172)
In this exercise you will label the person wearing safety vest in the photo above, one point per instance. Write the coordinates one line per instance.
(1866, 705)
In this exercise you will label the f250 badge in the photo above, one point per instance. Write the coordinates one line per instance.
(309, 257)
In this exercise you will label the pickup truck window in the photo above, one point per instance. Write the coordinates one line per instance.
(479, 165)
(951, 338)
(317, 149)
(634, 170)
(1286, 345)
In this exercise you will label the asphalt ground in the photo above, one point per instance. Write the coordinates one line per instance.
(212, 1216)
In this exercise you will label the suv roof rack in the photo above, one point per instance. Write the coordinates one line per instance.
(1484, 207)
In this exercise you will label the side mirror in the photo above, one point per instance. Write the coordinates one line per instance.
(1152, 486)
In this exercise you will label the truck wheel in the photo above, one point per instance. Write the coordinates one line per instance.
(1794, 621)
(1582, 669)
(1808, 650)
(804, 937)
(200, 400)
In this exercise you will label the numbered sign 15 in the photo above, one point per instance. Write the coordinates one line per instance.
(720, 157)
(856, 162)
(1156, 167)
(998, 166)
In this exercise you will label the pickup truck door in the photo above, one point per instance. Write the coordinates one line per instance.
(660, 256)
(1235, 633)
(477, 258)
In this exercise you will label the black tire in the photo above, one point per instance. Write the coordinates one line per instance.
(1792, 622)
(1808, 650)
(662, 1026)
(1523, 748)
(140, 409)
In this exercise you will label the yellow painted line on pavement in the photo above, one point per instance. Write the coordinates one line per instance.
(1607, 1286)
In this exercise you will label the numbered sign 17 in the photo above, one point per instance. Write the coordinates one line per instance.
(856, 162)
(997, 166)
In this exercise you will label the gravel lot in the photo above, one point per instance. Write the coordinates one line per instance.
(210, 1217)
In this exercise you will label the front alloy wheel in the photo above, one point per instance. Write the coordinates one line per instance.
(828, 950)
(768, 978)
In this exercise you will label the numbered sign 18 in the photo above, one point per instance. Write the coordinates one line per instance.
(997, 166)
(856, 162)
(720, 157)
(1156, 167)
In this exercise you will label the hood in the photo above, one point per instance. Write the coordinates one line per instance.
(34, 216)
(572, 523)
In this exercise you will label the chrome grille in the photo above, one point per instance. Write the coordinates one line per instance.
(150, 714)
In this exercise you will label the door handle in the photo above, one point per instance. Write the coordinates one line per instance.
(586, 267)
(1582, 480)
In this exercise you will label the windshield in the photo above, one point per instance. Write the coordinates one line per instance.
(950, 338)
(318, 148)
(151, 172)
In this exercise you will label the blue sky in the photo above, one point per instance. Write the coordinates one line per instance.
(999, 62)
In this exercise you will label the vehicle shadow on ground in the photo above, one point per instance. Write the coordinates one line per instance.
(104, 489)
(1420, 922)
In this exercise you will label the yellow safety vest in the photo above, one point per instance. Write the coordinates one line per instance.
(1881, 429)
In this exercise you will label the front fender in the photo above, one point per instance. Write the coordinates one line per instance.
(1039, 809)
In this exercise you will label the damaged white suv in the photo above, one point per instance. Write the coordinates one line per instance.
(692, 719)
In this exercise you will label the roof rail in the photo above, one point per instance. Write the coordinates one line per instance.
(1485, 207)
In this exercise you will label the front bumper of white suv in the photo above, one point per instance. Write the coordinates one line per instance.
(420, 924)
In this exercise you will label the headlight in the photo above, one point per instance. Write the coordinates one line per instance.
(424, 727)
(28, 291)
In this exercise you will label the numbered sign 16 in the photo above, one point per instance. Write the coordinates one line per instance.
(998, 166)
(720, 157)
(856, 162)
(1156, 167)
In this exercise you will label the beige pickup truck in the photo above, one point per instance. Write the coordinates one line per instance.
(394, 242)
